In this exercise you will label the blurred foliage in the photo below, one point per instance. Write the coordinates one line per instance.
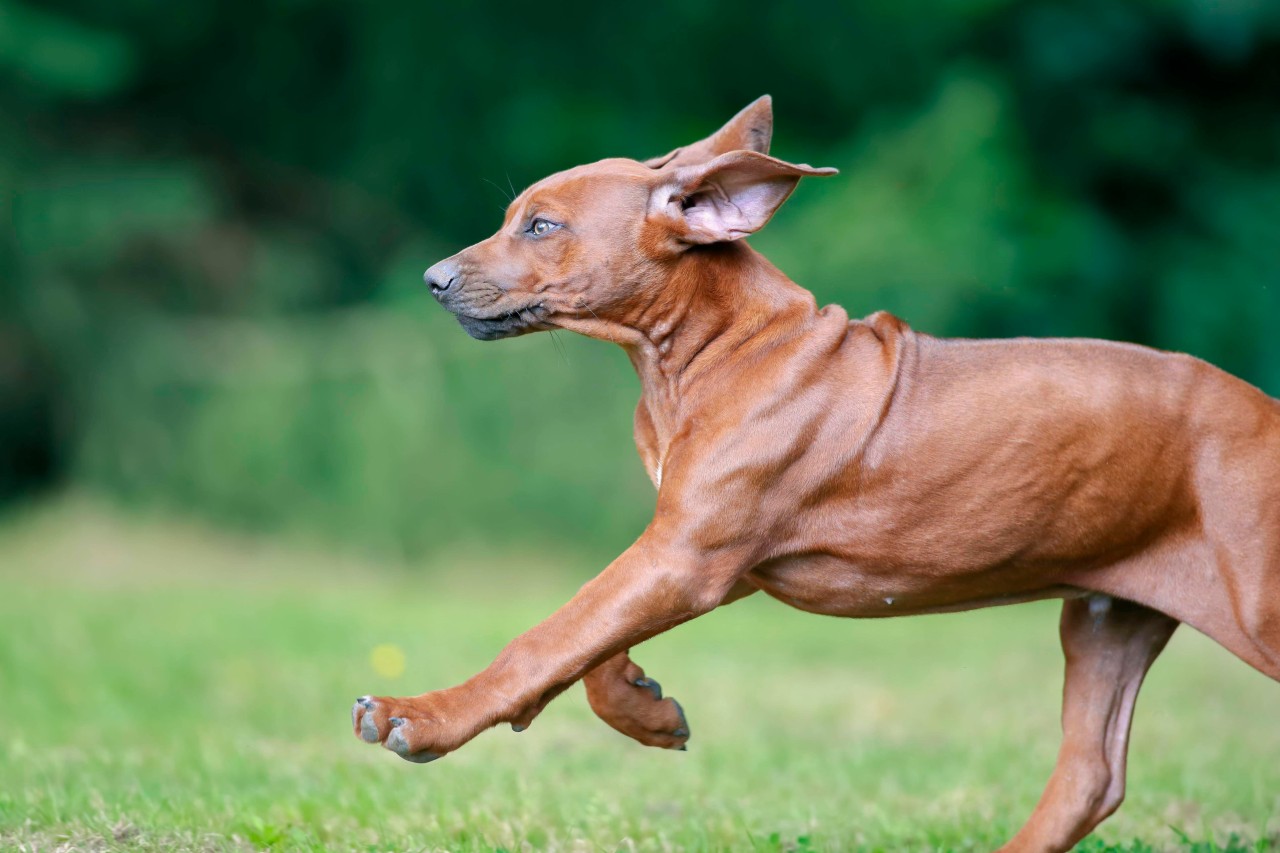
(215, 215)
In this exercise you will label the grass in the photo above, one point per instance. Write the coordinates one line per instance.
(167, 688)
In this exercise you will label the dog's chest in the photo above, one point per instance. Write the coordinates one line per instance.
(834, 586)
(831, 586)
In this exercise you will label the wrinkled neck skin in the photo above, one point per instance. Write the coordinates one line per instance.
(716, 312)
(718, 300)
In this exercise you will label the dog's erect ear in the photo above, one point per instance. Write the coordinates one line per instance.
(749, 130)
(727, 198)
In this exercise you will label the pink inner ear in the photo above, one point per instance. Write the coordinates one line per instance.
(731, 196)
(733, 206)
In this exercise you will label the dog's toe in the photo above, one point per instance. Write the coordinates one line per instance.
(396, 741)
(364, 710)
(399, 744)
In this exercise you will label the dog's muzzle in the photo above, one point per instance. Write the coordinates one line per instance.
(486, 324)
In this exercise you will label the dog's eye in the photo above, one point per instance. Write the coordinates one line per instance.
(538, 227)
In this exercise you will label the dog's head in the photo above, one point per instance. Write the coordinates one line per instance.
(589, 249)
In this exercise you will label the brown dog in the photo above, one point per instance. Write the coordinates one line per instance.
(858, 468)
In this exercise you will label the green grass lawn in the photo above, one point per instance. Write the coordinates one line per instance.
(167, 688)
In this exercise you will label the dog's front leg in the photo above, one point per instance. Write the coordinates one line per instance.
(655, 585)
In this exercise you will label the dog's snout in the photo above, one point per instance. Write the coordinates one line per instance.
(441, 277)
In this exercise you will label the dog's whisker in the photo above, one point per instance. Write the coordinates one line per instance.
(498, 187)
(564, 351)
(582, 303)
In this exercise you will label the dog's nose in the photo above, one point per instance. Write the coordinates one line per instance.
(440, 278)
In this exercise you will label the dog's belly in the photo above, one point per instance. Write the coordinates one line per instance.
(837, 587)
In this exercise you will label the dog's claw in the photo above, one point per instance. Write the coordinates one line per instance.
(684, 747)
(683, 729)
(516, 727)
(396, 722)
(365, 702)
(649, 684)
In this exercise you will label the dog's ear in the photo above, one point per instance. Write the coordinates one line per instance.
(750, 130)
(727, 198)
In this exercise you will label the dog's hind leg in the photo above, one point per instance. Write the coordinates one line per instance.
(1241, 511)
(1109, 644)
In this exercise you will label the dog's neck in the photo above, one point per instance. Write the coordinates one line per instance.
(716, 301)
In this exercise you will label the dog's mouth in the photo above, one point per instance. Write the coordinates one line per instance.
(529, 318)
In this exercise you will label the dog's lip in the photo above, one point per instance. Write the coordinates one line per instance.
(524, 315)
(504, 324)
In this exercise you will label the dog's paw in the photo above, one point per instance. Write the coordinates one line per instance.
(401, 725)
(636, 707)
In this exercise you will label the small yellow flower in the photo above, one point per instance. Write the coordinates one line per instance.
(387, 660)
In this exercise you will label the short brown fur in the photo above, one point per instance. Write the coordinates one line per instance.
(859, 468)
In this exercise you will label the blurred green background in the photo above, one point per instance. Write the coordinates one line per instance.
(216, 215)
(240, 446)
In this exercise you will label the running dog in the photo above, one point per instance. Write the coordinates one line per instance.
(860, 468)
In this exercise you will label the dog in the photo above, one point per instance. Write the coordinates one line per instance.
(860, 468)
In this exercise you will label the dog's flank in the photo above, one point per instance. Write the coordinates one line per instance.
(859, 468)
